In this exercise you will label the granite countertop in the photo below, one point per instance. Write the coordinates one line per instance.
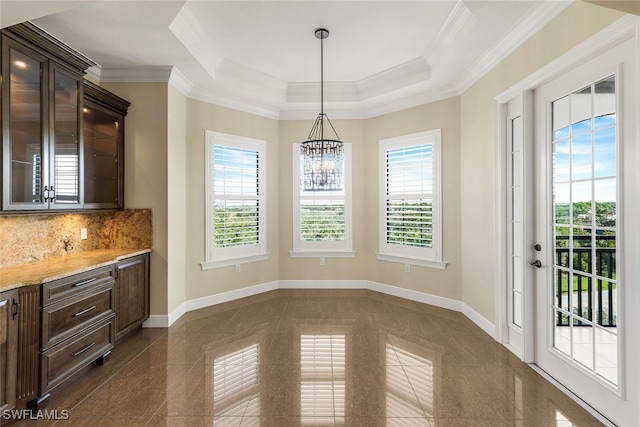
(38, 272)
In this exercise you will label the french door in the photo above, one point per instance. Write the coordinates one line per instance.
(586, 227)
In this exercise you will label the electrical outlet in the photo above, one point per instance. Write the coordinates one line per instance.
(237, 268)
(83, 234)
(407, 268)
(323, 261)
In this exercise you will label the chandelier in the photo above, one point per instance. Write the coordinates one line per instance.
(322, 159)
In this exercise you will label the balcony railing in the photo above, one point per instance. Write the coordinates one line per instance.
(581, 285)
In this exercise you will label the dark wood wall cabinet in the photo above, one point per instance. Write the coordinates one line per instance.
(49, 333)
(62, 137)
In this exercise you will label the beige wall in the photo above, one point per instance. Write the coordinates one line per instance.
(177, 200)
(146, 171)
(574, 25)
(202, 116)
(290, 132)
(443, 115)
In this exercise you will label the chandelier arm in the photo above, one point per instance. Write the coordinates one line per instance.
(314, 130)
(334, 129)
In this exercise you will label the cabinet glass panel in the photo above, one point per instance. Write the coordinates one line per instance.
(101, 168)
(66, 148)
(25, 122)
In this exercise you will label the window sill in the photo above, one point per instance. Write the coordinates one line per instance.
(208, 265)
(322, 254)
(439, 265)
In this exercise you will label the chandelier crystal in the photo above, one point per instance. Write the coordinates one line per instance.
(322, 159)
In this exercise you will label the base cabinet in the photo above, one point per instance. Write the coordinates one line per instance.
(132, 294)
(9, 309)
(52, 331)
(77, 324)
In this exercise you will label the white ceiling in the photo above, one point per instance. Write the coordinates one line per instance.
(263, 57)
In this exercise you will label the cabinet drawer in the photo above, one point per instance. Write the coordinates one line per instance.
(65, 318)
(67, 287)
(63, 360)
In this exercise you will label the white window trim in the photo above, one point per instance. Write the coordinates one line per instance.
(430, 258)
(215, 258)
(343, 249)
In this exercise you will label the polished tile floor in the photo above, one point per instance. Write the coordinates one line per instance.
(295, 357)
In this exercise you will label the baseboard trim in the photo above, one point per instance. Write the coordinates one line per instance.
(156, 321)
(322, 284)
(208, 301)
(417, 296)
(481, 321)
(162, 321)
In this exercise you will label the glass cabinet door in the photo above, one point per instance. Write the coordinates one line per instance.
(24, 140)
(102, 156)
(65, 142)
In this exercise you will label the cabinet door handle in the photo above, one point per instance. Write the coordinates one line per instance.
(79, 352)
(54, 193)
(16, 309)
(86, 310)
(45, 193)
(84, 282)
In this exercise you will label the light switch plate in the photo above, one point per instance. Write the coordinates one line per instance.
(83, 234)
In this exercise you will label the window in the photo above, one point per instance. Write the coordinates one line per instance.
(410, 224)
(235, 200)
(322, 218)
(66, 173)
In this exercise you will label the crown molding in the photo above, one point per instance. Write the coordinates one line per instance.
(160, 74)
(459, 18)
(235, 103)
(387, 81)
(188, 31)
(395, 78)
(180, 82)
(527, 27)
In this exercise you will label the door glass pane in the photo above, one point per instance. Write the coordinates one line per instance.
(585, 212)
(516, 232)
(25, 121)
(65, 138)
(101, 168)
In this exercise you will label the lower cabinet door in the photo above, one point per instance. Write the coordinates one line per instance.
(65, 359)
(8, 349)
(132, 293)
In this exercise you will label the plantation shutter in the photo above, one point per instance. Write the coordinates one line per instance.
(236, 202)
(409, 196)
(236, 196)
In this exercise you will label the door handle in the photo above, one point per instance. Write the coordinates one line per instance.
(536, 263)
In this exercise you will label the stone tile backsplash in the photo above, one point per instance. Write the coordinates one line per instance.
(27, 238)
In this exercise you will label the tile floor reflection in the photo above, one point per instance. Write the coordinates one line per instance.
(313, 358)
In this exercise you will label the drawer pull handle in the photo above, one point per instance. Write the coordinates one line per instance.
(79, 352)
(84, 282)
(86, 310)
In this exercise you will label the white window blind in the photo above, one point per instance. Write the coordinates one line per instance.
(235, 200)
(410, 197)
(409, 201)
(322, 218)
(236, 196)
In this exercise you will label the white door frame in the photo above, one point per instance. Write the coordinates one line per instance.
(620, 31)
